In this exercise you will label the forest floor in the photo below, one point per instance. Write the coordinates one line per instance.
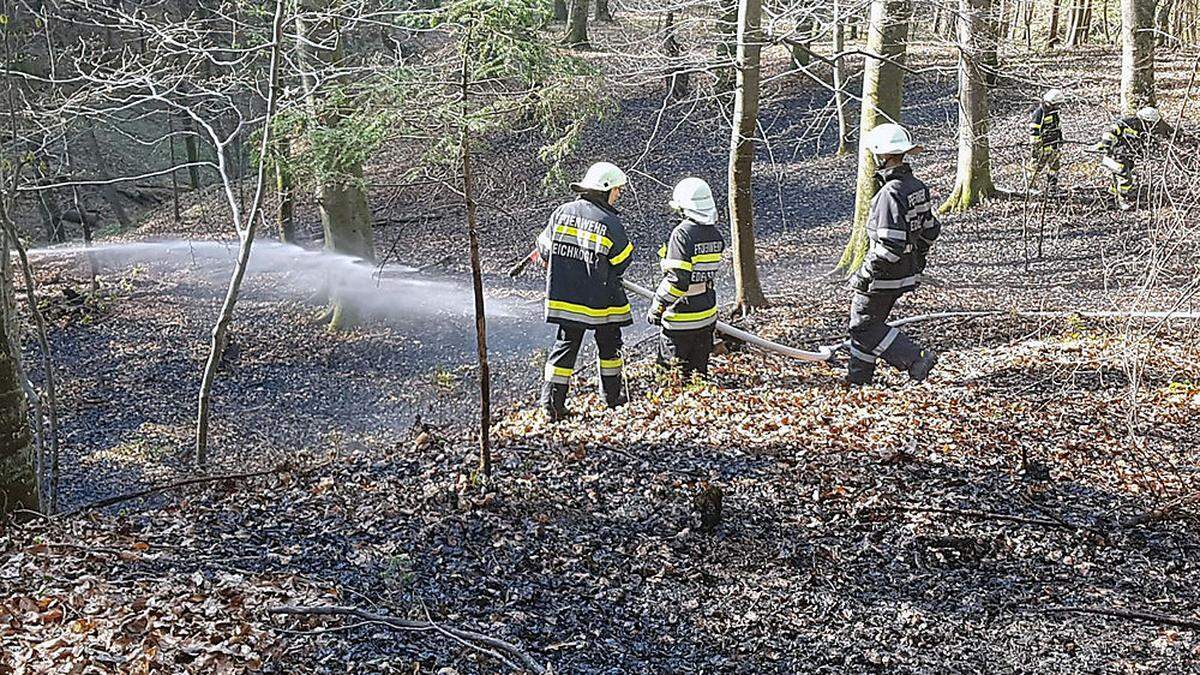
(961, 524)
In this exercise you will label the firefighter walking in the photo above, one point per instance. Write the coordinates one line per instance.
(685, 303)
(1122, 144)
(1046, 139)
(585, 250)
(902, 228)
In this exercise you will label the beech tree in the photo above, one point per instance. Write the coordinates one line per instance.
(577, 24)
(973, 182)
(1137, 54)
(749, 294)
(883, 79)
(338, 137)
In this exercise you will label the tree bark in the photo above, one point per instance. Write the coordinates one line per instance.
(839, 79)
(285, 206)
(741, 157)
(560, 10)
(727, 46)
(887, 35)
(603, 12)
(577, 24)
(678, 82)
(191, 148)
(974, 181)
(1137, 54)
(341, 195)
(485, 378)
(107, 191)
(1052, 31)
(18, 477)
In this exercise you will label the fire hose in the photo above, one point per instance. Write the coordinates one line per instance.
(823, 353)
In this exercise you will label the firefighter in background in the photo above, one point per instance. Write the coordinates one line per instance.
(1046, 139)
(1123, 143)
(902, 228)
(585, 250)
(685, 303)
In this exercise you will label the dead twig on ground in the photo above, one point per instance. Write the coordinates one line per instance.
(1152, 617)
(1163, 512)
(487, 644)
(990, 515)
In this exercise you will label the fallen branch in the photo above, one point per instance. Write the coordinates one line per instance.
(1163, 512)
(990, 515)
(477, 641)
(1152, 617)
(130, 496)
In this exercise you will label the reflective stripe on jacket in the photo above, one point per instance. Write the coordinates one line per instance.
(586, 252)
(1129, 136)
(1045, 127)
(690, 260)
(902, 228)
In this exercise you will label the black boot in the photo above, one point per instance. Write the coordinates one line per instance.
(554, 401)
(919, 371)
(614, 394)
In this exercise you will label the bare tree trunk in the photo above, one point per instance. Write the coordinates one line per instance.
(1163, 23)
(801, 54)
(974, 181)
(191, 148)
(342, 197)
(1137, 54)
(49, 208)
(741, 157)
(18, 475)
(285, 207)
(107, 192)
(1052, 32)
(839, 79)
(577, 24)
(881, 99)
(677, 80)
(727, 46)
(485, 378)
(560, 10)
(603, 13)
(246, 229)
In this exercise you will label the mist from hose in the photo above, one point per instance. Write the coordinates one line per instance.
(292, 272)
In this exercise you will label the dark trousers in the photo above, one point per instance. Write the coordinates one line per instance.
(560, 364)
(872, 339)
(1122, 181)
(687, 349)
(1049, 160)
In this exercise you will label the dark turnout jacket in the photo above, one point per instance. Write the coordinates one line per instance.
(586, 251)
(1045, 126)
(1129, 136)
(902, 228)
(689, 261)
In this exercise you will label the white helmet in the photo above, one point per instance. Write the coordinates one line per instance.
(1054, 97)
(601, 177)
(694, 198)
(1149, 115)
(889, 139)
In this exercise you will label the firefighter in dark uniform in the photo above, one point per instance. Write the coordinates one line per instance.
(1122, 144)
(585, 250)
(685, 303)
(902, 228)
(1046, 139)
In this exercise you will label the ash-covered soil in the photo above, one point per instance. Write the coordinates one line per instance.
(900, 528)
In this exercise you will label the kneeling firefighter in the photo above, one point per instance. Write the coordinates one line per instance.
(585, 250)
(902, 229)
(685, 303)
(1123, 144)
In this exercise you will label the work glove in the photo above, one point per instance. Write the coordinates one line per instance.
(655, 313)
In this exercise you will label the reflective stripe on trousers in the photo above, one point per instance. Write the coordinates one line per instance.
(872, 339)
(560, 362)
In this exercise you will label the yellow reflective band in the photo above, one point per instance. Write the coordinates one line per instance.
(612, 363)
(674, 291)
(1109, 136)
(662, 251)
(677, 264)
(582, 234)
(555, 371)
(620, 257)
(1035, 125)
(690, 316)
(706, 258)
(588, 311)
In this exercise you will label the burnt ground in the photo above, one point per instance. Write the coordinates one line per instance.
(866, 530)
